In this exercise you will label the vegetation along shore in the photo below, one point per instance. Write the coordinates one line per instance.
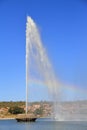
(10, 110)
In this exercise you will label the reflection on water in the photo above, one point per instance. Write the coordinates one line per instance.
(42, 125)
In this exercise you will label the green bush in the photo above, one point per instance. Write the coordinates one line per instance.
(38, 111)
(16, 110)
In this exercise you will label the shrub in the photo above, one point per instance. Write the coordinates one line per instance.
(16, 110)
(38, 111)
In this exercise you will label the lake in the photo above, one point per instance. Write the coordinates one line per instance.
(43, 125)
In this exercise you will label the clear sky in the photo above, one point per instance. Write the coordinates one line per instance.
(63, 28)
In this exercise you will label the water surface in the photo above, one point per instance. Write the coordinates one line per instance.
(43, 125)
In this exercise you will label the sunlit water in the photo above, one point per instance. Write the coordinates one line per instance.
(42, 124)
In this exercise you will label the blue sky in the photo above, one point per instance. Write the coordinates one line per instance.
(63, 28)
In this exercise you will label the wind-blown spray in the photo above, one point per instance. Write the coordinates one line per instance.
(38, 67)
(37, 62)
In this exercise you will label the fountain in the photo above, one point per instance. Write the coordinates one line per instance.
(38, 65)
(39, 68)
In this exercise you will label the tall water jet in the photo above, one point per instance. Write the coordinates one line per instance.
(38, 65)
(39, 68)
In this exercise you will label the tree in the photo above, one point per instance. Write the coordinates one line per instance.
(16, 110)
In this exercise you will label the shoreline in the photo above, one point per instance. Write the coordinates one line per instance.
(8, 118)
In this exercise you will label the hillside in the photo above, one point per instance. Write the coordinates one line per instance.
(76, 110)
